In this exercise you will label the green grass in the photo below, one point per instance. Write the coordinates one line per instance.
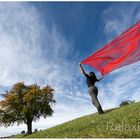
(122, 122)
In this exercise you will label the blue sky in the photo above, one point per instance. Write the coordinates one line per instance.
(43, 43)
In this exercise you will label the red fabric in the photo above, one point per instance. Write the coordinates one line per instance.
(122, 51)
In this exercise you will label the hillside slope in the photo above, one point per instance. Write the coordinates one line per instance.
(116, 123)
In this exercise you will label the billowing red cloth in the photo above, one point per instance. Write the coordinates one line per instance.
(122, 51)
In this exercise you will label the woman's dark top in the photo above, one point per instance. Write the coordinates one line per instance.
(90, 80)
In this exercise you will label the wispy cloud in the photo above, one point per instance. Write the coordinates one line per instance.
(118, 18)
(19, 43)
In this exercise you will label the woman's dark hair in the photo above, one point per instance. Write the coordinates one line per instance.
(92, 74)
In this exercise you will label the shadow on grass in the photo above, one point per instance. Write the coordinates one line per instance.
(109, 110)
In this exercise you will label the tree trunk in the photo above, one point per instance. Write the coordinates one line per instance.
(29, 127)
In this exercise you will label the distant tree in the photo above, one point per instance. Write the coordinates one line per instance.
(22, 132)
(25, 104)
(127, 102)
(35, 130)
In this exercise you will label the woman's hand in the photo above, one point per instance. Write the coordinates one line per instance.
(100, 78)
(82, 70)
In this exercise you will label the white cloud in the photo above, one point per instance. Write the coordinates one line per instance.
(19, 43)
(119, 18)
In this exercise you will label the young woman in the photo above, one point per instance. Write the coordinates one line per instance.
(93, 91)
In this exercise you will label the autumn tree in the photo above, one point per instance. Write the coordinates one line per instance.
(25, 104)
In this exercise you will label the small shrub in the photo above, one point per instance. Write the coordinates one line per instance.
(35, 130)
(127, 102)
(22, 132)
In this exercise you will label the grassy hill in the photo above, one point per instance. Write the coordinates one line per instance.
(122, 122)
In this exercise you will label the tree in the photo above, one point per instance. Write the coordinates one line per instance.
(25, 104)
(127, 102)
(35, 130)
(22, 132)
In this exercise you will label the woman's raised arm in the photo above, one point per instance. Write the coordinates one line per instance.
(82, 70)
